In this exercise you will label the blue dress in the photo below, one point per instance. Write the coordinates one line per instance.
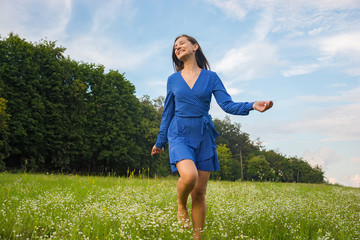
(186, 123)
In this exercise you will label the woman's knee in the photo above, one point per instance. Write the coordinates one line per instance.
(189, 179)
(188, 172)
(198, 193)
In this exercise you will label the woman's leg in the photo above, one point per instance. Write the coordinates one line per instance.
(198, 209)
(186, 183)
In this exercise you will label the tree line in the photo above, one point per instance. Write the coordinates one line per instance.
(60, 115)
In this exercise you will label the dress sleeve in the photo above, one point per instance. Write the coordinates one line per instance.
(226, 103)
(167, 116)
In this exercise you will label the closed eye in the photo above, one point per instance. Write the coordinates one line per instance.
(178, 45)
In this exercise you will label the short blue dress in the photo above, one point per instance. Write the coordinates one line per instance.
(186, 123)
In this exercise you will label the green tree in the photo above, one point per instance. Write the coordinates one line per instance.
(259, 169)
(66, 115)
(317, 175)
(76, 99)
(4, 117)
(151, 111)
(283, 170)
(303, 172)
(30, 76)
(232, 136)
(114, 117)
(225, 162)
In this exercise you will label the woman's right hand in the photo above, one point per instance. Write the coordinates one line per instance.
(262, 106)
(156, 150)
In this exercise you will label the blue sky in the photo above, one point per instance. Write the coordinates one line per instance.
(303, 55)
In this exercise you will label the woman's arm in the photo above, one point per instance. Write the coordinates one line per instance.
(237, 108)
(225, 101)
(167, 116)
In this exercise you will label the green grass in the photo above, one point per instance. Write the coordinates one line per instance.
(74, 207)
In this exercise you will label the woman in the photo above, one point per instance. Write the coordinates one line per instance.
(188, 128)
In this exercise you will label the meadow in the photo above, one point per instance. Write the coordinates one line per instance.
(45, 206)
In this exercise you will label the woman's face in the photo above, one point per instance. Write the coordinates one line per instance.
(184, 48)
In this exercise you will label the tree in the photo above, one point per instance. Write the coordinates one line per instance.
(283, 170)
(225, 162)
(317, 175)
(149, 128)
(259, 169)
(113, 120)
(4, 117)
(65, 115)
(76, 92)
(303, 172)
(30, 76)
(232, 136)
(239, 143)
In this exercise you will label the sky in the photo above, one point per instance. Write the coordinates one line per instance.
(304, 55)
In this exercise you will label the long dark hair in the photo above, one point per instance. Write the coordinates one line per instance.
(199, 55)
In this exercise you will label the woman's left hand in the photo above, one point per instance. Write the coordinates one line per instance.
(156, 150)
(262, 106)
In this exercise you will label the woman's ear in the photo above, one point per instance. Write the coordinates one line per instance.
(196, 47)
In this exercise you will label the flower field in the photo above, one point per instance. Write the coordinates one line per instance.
(80, 207)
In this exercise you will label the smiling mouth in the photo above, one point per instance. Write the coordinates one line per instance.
(180, 51)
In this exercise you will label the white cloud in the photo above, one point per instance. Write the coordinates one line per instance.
(340, 122)
(35, 19)
(349, 96)
(100, 46)
(355, 180)
(253, 61)
(318, 99)
(294, 33)
(336, 85)
(158, 84)
(329, 118)
(264, 26)
(345, 43)
(355, 159)
(231, 8)
(353, 71)
(295, 16)
(349, 180)
(334, 4)
(352, 95)
(342, 51)
(316, 31)
(234, 91)
(332, 180)
(108, 12)
(111, 54)
(324, 157)
(300, 70)
(296, 19)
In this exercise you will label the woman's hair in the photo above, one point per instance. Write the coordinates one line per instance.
(199, 56)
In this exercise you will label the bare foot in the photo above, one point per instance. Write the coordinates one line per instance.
(197, 233)
(183, 217)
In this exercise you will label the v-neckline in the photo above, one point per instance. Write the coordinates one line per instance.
(191, 88)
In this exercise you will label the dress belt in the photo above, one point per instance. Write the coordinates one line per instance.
(206, 123)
